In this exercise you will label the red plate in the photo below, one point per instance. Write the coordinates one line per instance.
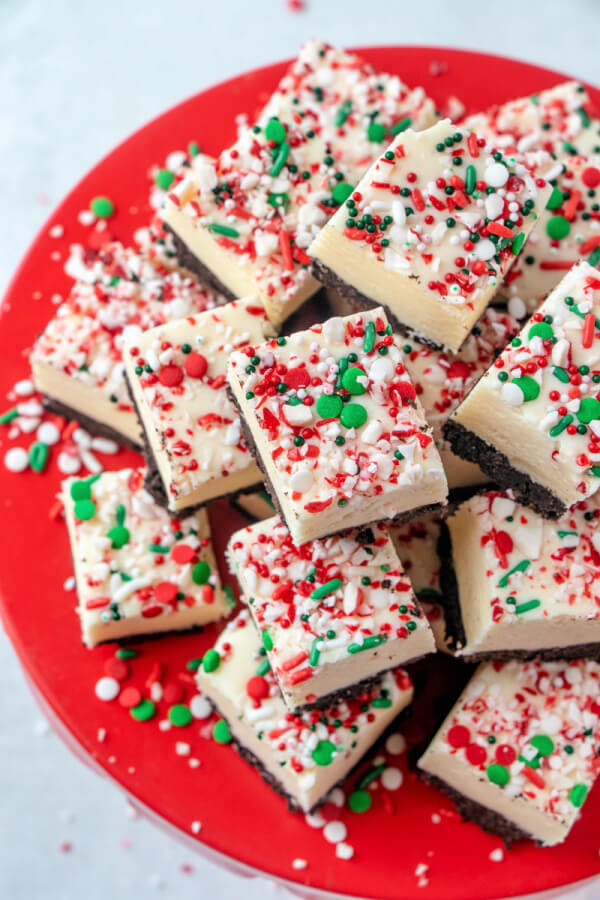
(241, 817)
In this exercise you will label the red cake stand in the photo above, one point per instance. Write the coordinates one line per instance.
(411, 843)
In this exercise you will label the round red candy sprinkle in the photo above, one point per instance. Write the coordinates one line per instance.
(165, 592)
(591, 176)
(257, 687)
(130, 697)
(170, 376)
(182, 554)
(476, 754)
(458, 736)
(505, 754)
(195, 365)
(116, 668)
(173, 693)
(297, 377)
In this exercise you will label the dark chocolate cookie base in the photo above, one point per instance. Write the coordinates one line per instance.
(470, 446)
(358, 302)
(400, 519)
(486, 818)
(90, 424)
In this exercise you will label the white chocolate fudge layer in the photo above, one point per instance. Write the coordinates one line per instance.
(337, 426)
(305, 755)
(250, 216)
(557, 120)
(416, 543)
(118, 293)
(138, 570)
(568, 231)
(526, 584)
(442, 379)
(522, 741)
(177, 376)
(331, 614)
(538, 404)
(432, 229)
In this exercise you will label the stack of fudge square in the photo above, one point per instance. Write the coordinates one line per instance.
(422, 461)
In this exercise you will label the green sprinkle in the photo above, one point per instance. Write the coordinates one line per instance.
(102, 207)
(324, 590)
(341, 192)
(192, 665)
(119, 536)
(230, 595)
(352, 379)
(369, 341)
(542, 330)
(589, 410)
(314, 652)
(164, 179)
(143, 711)
(201, 572)
(224, 230)
(527, 606)
(594, 257)
(264, 667)
(126, 653)
(517, 244)
(329, 406)
(470, 179)
(84, 510)
(323, 753)
(561, 374)
(520, 567)
(561, 425)
(401, 125)
(383, 702)
(267, 640)
(158, 548)
(343, 113)
(211, 660)
(374, 640)
(279, 200)
(275, 131)
(543, 744)
(376, 132)
(498, 774)
(360, 801)
(371, 775)
(280, 159)
(80, 490)
(555, 199)
(528, 386)
(353, 415)
(221, 732)
(558, 227)
(342, 366)
(193, 148)
(9, 415)
(38, 456)
(179, 715)
(577, 795)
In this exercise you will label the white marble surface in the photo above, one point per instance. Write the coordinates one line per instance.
(76, 78)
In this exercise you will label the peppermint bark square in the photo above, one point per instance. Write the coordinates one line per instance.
(77, 361)
(518, 585)
(518, 752)
(192, 430)
(533, 421)
(244, 221)
(337, 427)
(137, 570)
(431, 231)
(333, 614)
(303, 756)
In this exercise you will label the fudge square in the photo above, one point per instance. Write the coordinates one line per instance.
(518, 752)
(77, 361)
(431, 231)
(137, 569)
(525, 586)
(333, 613)
(176, 373)
(337, 427)
(301, 756)
(244, 221)
(533, 421)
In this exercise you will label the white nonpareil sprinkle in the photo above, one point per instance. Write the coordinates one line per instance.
(299, 864)
(196, 827)
(24, 388)
(344, 851)
(334, 832)
(48, 433)
(68, 464)
(395, 744)
(69, 583)
(16, 459)
(107, 688)
(497, 855)
(392, 778)
(200, 707)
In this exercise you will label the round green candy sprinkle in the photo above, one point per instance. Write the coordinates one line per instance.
(341, 192)
(577, 795)
(119, 536)
(528, 386)
(81, 490)
(179, 715)
(102, 207)
(329, 406)
(589, 410)
(164, 179)
(275, 131)
(542, 330)
(143, 711)
(221, 732)
(353, 415)
(84, 510)
(558, 227)
(376, 132)
(359, 801)
(201, 572)
(211, 661)
(498, 774)
(543, 744)
(323, 753)
(350, 380)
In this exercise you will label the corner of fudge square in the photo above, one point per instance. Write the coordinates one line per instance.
(533, 421)
(337, 426)
(333, 614)
(431, 231)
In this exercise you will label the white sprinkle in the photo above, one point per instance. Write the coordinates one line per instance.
(24, 388)
(344, 851)
(16, 459)
(48, 433)
(436, 818)
(334, 832)
(101, 735)
(104, 445)
(56, 231)
(392, 778)
(517, 308)
(422, 869)
(200, 707)
(315, 820)
(337, 797)
(30, 408)
(496, 175)
(301, 481)
(512, 394)
(395, 744)
(82, 438)
(485, 249)
(497, 855)
(69, 583)
(107, 688)
(86, 217)
(196, 827)
(90, 462)
(182, 748)
(299, 864)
